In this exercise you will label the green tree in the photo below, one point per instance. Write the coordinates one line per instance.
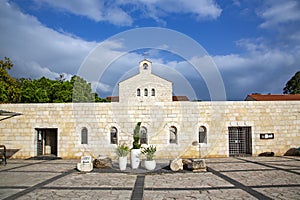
(9, 87)
(61, 92)
(293, 85)
(43, 90)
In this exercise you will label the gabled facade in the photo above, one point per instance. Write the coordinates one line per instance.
(145, 86)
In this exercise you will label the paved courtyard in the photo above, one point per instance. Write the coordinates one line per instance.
(227, 178)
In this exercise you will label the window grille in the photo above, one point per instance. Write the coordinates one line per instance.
(240, 141)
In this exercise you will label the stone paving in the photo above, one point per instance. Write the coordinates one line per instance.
(227, 178)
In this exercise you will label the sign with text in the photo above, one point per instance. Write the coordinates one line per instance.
(267, 136)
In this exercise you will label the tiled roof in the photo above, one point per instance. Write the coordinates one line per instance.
(180, 98)
(273, 97)
(113, 98)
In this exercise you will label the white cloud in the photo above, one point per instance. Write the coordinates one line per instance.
(96, 10)
(31, 45)
(89, 8)
(115, 13)
(202, 9)
(280, 12)
(261, 69)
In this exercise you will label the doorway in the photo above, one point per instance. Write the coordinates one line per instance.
(46, 141)
(240, 141)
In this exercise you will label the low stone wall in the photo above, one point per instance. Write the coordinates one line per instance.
(19, 133)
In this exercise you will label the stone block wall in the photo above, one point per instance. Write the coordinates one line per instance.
(281, 118)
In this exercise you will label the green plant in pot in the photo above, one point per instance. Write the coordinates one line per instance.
(149, 152)
(136, 151)
(122, 152)
(137, 136)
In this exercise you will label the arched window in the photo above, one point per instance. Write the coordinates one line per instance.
(146, 92)
(84, 135)
(173, 135)
(138, 92)
(202, 134)
(144, 136)
(153, 92)
(114, 135)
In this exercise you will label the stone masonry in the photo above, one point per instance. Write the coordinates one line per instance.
(280, 118)
(147, 98)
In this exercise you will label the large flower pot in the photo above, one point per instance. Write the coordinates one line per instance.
(150, 164)
(135, 158)
(122, 163)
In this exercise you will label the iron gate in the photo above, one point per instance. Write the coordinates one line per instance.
(240, 141)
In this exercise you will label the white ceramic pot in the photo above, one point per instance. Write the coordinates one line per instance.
(150, 164)
(135, 158)
(122, 163)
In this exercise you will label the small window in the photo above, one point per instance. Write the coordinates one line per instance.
(138, 92)
(145, 65)
(114, 135)
(153, 92)
(144, 137)
(173, 135)
(84, 135)
(146, 92)
(202, 134)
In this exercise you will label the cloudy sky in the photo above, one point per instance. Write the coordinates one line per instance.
(254, 44)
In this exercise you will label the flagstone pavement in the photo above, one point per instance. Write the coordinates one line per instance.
(226, 178)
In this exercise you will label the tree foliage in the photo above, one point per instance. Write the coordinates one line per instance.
(9, 87)
(293, 85)
(43, 90)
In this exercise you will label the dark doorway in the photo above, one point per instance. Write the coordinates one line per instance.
(46, 141)
(240, 141)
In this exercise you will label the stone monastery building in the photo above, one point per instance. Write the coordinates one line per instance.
(176, 128)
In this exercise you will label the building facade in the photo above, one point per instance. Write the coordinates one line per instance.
(177, 128)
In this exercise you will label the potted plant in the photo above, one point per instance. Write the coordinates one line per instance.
(122, 152)
(136, 151)
(149, 152)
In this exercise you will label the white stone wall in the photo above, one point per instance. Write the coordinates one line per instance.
(281, 118)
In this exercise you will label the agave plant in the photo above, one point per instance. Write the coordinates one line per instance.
(122, 150)
(149, 152)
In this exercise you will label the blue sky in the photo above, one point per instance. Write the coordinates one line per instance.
(255, 44)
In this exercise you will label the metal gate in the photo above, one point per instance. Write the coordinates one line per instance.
(240, 141)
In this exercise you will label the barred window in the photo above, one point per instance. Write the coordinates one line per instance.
(146, 92)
